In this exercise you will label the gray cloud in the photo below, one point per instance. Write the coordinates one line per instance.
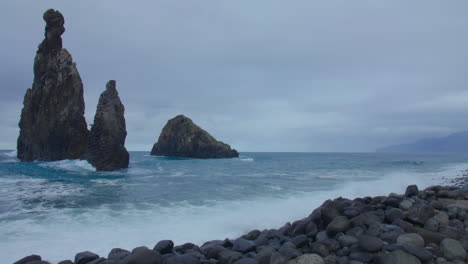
(260, 75)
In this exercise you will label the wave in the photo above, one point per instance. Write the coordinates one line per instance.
(55, 237)
(69, 165)
(247, 159)
(8, 157)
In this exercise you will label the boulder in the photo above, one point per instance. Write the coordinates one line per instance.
(164, 246)
(370, 243)
(399, 257)
(85, 257)
(243, 245)
(411, 239)
(52, 124)
(452, 249)
(27, 259)
(411, 190)
(181, 138)
(308, 259)
(106, 144)
(142, 255)
(338, 224)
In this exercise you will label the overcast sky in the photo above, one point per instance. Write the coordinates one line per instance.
(259, 75)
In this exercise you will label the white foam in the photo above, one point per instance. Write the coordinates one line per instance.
(11, 154)
(247, 159)
(69, 165)
(66, 232)
(107, 182)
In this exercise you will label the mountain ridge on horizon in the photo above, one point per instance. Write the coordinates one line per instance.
(455, 143)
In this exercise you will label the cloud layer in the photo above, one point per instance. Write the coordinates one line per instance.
(259, 75)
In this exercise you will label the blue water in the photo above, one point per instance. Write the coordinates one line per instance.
(57, 209)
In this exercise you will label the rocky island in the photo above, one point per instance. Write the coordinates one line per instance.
(52, 124)
(106, 144)
(181, 138)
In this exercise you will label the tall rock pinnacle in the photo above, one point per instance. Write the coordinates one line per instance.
(106, 146)
(52, 124)
(182, 138)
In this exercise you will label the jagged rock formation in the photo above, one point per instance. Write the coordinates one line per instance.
(52, 125)
(106, 146)
(182, 138)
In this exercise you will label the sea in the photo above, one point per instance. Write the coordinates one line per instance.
(57, 209)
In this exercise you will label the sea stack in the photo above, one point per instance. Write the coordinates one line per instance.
(181, 138)
(52, 124)
(106, 146)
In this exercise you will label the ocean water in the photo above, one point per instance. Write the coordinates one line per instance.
(57, 209)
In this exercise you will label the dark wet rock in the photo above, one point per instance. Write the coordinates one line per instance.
(411, 190)
(421, 253)
(142, 255)
(350, 213)
(420, 213)
(106, 143)
(52, 124)
(373, 229)
(344, 251)
(228, 256)
(252, 235)
(187, 247)
(63, 262)
(393, 214)
(338, 224)
(38, 262)
(85, 257)
(451, 232)
(399, 257)
(107, 262)
(365, 219)
(452, 249)
(28, 259)
(264, 255)
(355, 231)
(370, 243)
(308, 259)
(298, 227)
(246, 261)
(184, 139)
(322, 235)
(390, 235)
(319, 248)
(329, 212)
(410, 239)
(118, 254)
(331, 244)
(182, 259)
(243, 245)
(347, 240)
(405, 205)
(431, 224)
(164, 246)
(300, 240)
(97, 261)
(364, 257)
(289, 251)
(429, 236)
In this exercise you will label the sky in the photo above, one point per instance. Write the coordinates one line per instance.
(262, 75)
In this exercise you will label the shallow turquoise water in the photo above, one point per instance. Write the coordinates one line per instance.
(56, 209)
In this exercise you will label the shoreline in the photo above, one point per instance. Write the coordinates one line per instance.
(419, 226)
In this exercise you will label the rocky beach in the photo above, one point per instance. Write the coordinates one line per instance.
(419, 226)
